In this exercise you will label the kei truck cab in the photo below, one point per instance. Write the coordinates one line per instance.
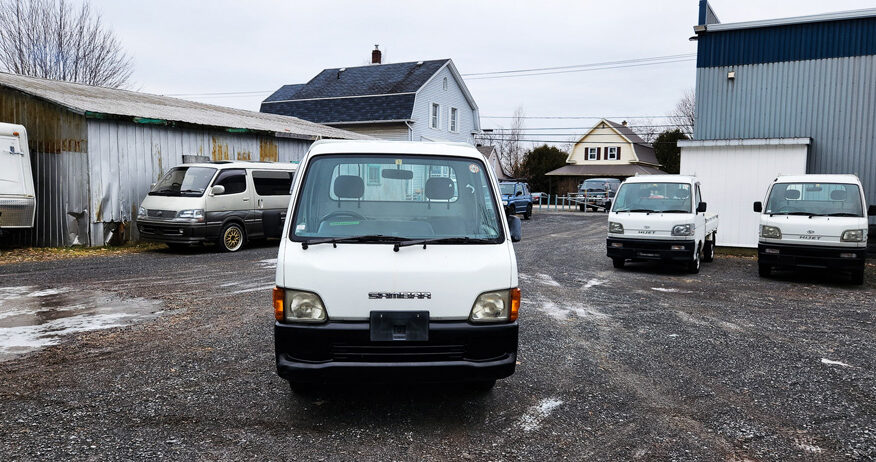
(661, 218)
(396, 264)
(814, 221)
(17, 200)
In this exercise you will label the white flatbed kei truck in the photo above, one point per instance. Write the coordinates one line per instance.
(661, 218)
(396, 264)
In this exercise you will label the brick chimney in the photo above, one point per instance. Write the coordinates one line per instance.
(624, 123)
(375, 55)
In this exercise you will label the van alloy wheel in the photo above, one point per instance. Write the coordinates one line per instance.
(232, 237)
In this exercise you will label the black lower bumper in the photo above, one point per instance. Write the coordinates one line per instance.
(650, 249)
(455, 351)
(800, 256)
(180, 233)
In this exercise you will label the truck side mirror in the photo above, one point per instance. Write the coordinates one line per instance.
(218, 190)
(516, 228)
(701, 207)
(871, 210)
(758, 207)
(273, 223)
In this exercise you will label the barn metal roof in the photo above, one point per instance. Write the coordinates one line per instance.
(101, 102)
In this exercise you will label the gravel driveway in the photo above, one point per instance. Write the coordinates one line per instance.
(641, 363)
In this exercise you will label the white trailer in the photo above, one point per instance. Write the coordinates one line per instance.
(17, 201)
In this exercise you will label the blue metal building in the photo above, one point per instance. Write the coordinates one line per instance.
(805, 77)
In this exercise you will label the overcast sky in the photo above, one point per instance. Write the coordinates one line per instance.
(196, 47)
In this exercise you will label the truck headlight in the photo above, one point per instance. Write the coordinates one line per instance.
(683, 230)
(770, 232)
(852, 235)
(298, 306)
(141, 212)
(496, 306)
(615, 227)
(192, 214)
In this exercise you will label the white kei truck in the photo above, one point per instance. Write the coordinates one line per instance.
(661, 218)
(396, 264)
(17, 199)
(814, 221)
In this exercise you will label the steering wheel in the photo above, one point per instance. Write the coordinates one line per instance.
(343, 213)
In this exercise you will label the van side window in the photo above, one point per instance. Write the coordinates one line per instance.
(234, 181)
(272, 183)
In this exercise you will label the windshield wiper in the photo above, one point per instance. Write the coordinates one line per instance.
(441, 240)
(843, 214)
(334, 241)
(675, 211)
(191, 191)
(640, 210)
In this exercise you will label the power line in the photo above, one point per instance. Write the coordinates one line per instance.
(580, 70)
(579, 117)
(606, 63)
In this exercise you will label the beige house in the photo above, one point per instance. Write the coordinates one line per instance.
(608, 150)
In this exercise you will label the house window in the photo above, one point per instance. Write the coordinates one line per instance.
(445, 83)
(435, 115)
(373, 175)
(592, 154)
(453, 124)
(611, 153)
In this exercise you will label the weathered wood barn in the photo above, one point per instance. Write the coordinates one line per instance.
(95, 151)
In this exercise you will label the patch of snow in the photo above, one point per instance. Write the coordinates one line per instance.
(535, 415)
(830, 362)
(671, 290)
(592, 283)
(672, 335)
(546, 280)
(254, 289)
(47, 292)
(268, 263)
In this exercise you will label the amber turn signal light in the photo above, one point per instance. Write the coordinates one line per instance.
(515, 303)
(279, 296)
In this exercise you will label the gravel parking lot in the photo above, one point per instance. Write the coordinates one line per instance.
(641, 363)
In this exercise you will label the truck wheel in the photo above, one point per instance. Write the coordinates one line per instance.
(693, 266)
(858, 277)
(618, 262)
(582, 208)
(528, 213)
(709, 250)
(232, 237)
(764, 270)
(607, 206)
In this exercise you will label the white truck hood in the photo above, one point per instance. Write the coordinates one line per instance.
(816, 231)
(343, 277)
(175, 203)
(654, 225)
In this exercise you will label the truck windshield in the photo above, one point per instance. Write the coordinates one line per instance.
(184, 181)
(653, 197)
(815, 199)
(507, 189)
(375, 198)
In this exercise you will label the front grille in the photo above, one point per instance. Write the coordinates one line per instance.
(161, 213)
(161, 230)
(17, 212)
(397, 353)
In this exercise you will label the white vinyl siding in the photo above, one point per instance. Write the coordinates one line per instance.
(390, 132)
(433, 92)
(435, 116)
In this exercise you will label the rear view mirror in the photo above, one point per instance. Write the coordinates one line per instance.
(871, 211)
(272, 221)
(516, 228)
(701, 207)
(397, 174)
(218, 190)
(758, 207)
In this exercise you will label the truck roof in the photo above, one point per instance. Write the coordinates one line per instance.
(244, 164)
(394, 147)
(9, 129)
(818, 178)
(661, 179)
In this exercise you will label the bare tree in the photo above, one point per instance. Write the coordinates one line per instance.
(647, 129)
(684, 114)
(54, 40)
(509, 143)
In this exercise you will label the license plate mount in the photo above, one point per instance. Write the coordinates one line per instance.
(399, 326)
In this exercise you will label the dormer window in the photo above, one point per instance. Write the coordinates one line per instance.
(611, 153)
(592, 154)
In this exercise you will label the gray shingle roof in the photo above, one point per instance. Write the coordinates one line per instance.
(644, 150)
(109, 101)
(619, 170)
(355, 94)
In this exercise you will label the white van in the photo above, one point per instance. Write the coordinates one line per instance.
(396, 264)
(661, 218)
(17, 201)
(223, 202)
(814, 221)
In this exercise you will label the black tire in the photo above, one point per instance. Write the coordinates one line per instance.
(858, 277)
(693, 266)
(583, 208)
(618, 262)
(607, 206)
(764, 270)
(528, 213)
(232, 238)
(709, 250)
(481, 386)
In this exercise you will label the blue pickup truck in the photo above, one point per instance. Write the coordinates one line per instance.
(516, 198)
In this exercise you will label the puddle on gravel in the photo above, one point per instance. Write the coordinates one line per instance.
(32, 318)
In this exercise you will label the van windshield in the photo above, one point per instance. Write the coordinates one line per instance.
(184, 181)
(653, 197)
(815, 199)
(396, 197)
